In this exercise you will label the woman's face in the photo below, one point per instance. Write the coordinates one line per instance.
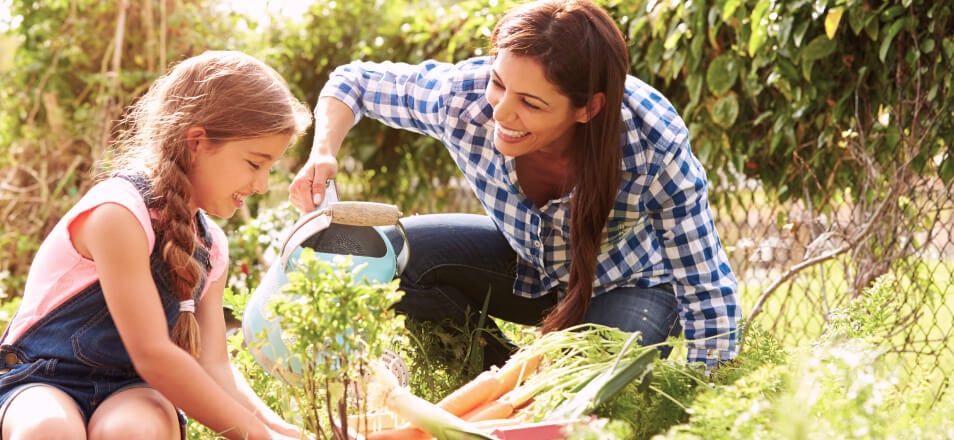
(224, 174)
(530, 112)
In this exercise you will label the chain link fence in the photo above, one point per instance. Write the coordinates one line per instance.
(799, 263)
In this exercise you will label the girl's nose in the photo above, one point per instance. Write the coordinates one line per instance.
(260, 185)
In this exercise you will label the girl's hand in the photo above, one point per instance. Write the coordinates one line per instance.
(284, 428)
(308, 189)
(278, 436)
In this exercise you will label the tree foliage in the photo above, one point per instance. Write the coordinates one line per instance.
(804, 95)
(801, 94)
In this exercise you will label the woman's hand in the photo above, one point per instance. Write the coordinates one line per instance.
(308, 188)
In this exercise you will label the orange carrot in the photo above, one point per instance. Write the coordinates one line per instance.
(496, 409)
(514, 372)
(478, 391)
(410, 433)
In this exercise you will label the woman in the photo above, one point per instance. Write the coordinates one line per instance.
(596, 208)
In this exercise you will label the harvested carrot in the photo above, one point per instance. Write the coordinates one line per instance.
(409, 433)
(384, 390)
(514, 372)
(497, 409)
(475, 393)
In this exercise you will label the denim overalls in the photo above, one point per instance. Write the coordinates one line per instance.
(77, 348)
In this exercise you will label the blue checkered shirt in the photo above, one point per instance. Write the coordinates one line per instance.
(660, 229)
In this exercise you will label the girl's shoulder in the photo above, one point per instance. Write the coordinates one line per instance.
(119, 191)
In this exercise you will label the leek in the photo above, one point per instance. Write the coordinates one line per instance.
(605, 385)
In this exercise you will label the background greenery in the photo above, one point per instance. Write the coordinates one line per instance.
(826, 126)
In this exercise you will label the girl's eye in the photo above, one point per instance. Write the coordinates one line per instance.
(254, 165)
(496, 83)
(528, 104)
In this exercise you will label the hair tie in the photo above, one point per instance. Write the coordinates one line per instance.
(187, 306)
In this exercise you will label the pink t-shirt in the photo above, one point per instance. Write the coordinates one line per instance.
(59, 272)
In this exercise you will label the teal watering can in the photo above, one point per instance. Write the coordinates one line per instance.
(332, 231)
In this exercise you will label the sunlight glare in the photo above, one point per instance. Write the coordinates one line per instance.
(260, 10)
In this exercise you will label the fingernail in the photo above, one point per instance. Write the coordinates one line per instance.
(317, 199)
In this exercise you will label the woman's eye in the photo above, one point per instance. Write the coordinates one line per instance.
(496, 83)
(254, 165)
(528, 104)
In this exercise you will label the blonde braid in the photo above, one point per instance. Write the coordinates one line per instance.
(178, 239)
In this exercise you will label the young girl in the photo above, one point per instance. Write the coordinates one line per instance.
(121, 322)
(596, 207)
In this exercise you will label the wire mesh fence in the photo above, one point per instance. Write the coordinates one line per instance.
(796, 267)
(799, 263)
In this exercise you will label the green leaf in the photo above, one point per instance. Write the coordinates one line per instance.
(759, 26)
(783, 33)
(695, 50)
(726, 110)
(800, 33)
(831, 21)
(729, 7)
(873, 28)
(947, 169)
(893, 31)
(892, 12)
(722, 73)
(820, 47)
(788, 70)
(807, 71)
(856, 19)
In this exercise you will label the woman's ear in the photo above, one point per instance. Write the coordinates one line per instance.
(194, 136)
(592, 108)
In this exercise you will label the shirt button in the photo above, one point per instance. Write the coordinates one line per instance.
(537, 244)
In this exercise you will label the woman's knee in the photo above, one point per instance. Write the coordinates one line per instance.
(652, 312)
(453, 240)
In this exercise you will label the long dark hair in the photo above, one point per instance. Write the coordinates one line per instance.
(583, 53)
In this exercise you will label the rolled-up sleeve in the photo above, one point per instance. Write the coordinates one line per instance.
(702, 279)
(408, 96)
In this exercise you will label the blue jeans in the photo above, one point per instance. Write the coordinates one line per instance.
(457, 260)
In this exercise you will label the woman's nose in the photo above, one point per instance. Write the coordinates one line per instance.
(503, 111)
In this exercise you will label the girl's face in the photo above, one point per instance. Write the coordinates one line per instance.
(224, 174)
(530, 113)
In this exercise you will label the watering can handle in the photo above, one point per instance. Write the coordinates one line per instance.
(363, 213)
(372, 214)
(348, 213)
